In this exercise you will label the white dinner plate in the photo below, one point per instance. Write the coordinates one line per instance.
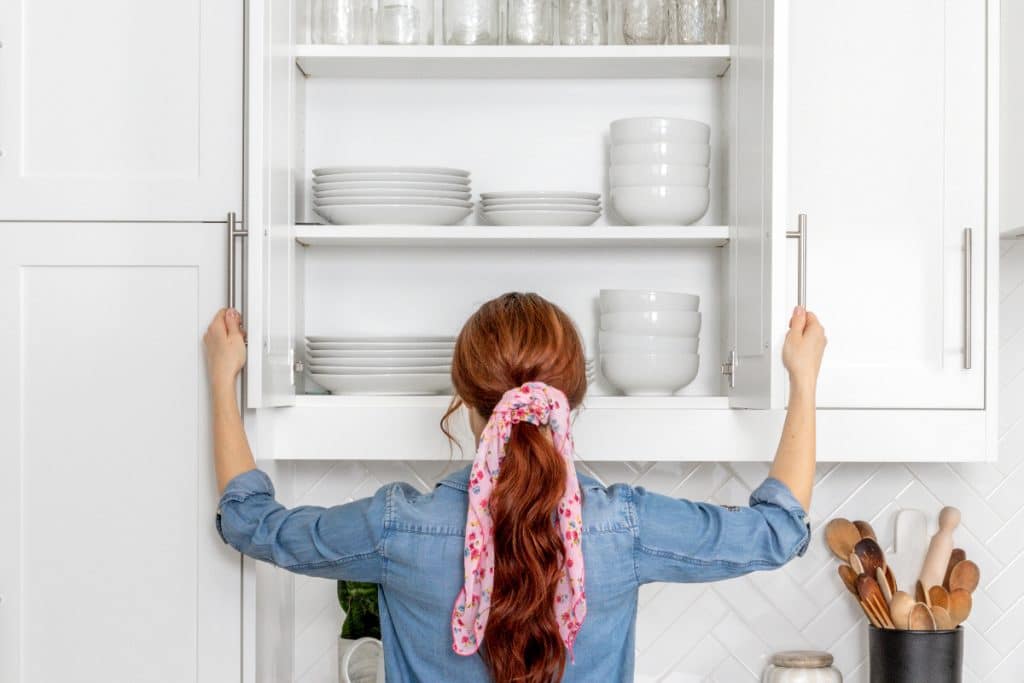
(407, 214)
(439, 363)
(531, 195)
(407, 177)
(333, 170)
(320, 188)
(381, 356)
(372, 192)
(348, 339)
(379, 369)
(541, 200)
(541, 217)
(541, 207)
(431, 201)
(380, 346)
(386, 384)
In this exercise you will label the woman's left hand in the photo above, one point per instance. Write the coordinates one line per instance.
(225, 346)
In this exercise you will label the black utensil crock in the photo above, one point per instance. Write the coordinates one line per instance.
(915, 656)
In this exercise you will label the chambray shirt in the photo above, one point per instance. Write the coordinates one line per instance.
(411, 544)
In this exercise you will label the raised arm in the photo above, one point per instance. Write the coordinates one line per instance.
(225, 358)
(801, 354)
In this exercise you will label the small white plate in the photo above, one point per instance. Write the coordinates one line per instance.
(379, 369)
(407, 177)
(576, 218)
(541, 207)
(438, 364)
(533, 195)
(407, 214)
(381, 356)
(320, 188)
(386, 384)
(541, 200)
(401, 194)
(429, 201)
(332, 170)
(342, 339)
(381, 346)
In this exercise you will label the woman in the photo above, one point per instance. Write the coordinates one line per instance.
(532, 575)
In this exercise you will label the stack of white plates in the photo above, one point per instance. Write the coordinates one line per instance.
(648, 340)
(540, 208)
(381, 365)
(659, 171)
(419, 195)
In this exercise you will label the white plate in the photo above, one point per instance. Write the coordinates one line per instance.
(527, 194)
(381, 346)
(379, 369)
(403, 339)
(439, 363)
(407, 214)
(407, 177)
(542, 207)
(431, 201)
(541, 200)
(386, 384)
(371, 192)
(382, 356)
(332, 170)
(541, 217)
(320, 188)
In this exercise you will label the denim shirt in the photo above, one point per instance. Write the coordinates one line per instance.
(411, 544)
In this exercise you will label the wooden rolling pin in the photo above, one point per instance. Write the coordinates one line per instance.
(933, 571)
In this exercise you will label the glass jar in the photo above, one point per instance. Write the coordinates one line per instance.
(801, 666)
(471, 22)
(530, 22)
(405, 22)
(639, 22)
(583, 22)
(342, 22)
(716, 9)
(693, 22)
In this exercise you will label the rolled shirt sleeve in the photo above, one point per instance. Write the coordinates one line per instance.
(683, 541)
(340, 542)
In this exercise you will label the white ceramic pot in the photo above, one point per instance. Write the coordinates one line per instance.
(360, 661)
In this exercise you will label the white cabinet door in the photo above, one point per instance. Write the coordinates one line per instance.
(112, 569)
(887, 150)
(120, 109)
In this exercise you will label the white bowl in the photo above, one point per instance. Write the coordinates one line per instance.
(399, 214)
(661, 204)
(397, 193)
(660, 323)
(627, 175)
(332, 170)
(661, 153)
(649, 374)
(615, 300)
(657, 129)
(618, 342)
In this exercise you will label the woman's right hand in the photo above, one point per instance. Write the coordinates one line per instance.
(803, 348)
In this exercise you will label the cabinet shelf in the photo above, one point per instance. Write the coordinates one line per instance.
(512, 61)
(486, 235)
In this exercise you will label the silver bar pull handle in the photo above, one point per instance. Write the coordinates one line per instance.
(968, 296)
(801, 268)
(234, 234)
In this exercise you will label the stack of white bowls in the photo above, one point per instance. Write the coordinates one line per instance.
(659, 170)
(540, 208)
(648, 340)
(418, 195)
(381, 365)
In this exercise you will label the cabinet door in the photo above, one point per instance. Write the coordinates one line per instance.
(120, 110)
(886, 141)
(112, 568)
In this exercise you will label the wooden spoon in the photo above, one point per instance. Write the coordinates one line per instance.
(890, 578)
(841, 535)
(900, 608)
(856, 564)
(938, 597)
(870, 554)
(921, 618)
(943, 621)
(920, 594)
(865, 529)
(849, 577)
(965, 575)
(960, 603)
(956, 557)
(869, 612)
(884, 585)
(871, 593)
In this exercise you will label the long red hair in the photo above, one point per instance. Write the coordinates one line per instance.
(514, 339)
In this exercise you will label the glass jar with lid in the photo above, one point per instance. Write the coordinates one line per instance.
(471, 22)
(405, 22)
(801, 666)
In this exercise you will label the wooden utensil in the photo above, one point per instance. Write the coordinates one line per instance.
(909, 547)
(960, 603)
(921, 618)
(884, 585)
(900, 608)
(856, 564)
(870, 555)
(938, 597)
(965, 575)
(865, 529)
(890, 578)
(871, 593)
(920, 594)
(956, 557)
(943, 621)
(939, 550)
(849, 577)
(841, 535)
(869, 612)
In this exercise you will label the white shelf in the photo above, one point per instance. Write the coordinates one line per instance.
(487, 235)
(513, 61)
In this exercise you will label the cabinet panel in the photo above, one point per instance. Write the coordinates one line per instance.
(107, 493)
(120, 110)
(887, 158)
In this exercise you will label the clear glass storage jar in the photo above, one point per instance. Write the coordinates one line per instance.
(638, 22)
(801, 666)
(583, 22)
(471, 22)
(405, 22)
(530, 22)
(342, 22)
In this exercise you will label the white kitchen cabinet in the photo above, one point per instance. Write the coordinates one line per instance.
(887, 158)
(112, 568)
(120, 110)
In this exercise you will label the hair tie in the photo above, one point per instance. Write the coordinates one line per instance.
(538, 404)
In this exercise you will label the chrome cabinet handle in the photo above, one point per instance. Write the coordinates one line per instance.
(234, 234)
(968, 281)
(801, 269)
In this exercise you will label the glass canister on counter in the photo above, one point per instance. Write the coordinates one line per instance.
(638, 22)
(405, 22)
(801, 666)
(342, 22)
(471, 22)
(583, 22)
(530, 22)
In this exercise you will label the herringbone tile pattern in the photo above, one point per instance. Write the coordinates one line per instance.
(721, 632)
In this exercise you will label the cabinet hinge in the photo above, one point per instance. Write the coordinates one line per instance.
(299, 366)
(729, 368)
